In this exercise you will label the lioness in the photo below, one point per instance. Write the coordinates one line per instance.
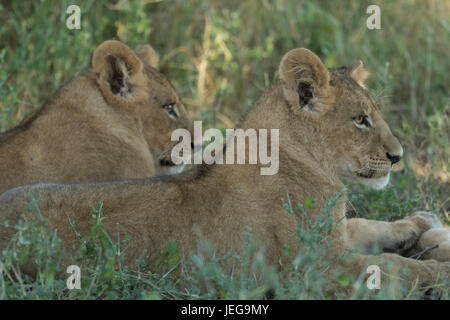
(111, 122)
(329, 128)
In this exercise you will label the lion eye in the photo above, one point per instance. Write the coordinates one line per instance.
(170, 109)
(362, 121)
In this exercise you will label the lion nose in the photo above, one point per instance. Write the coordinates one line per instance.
(394, 159)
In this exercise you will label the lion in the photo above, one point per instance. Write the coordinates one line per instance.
(329, 128)
(113, 121)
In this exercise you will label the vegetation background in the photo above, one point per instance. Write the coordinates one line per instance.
(221, 55)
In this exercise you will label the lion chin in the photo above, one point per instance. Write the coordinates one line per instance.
(374, 183)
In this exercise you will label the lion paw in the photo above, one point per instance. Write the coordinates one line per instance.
(430, 219)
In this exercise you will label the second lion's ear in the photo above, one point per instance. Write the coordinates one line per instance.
(148, 55)
(358, 73)
(305, 81)
(119, 73)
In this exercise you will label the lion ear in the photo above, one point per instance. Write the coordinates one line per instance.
(358, 73)
(305, 80)
(119, 73)
(148, 55)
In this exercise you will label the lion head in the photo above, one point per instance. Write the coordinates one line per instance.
(346, 117)
(130, 81)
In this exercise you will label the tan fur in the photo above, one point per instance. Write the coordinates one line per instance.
(435, 236)
(319, 144)
(358, 73)
(148, 55)
(88, 133)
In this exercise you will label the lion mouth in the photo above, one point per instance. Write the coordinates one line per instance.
(367, 175)
(371, 173)
(165, 159)
(166, 163)
(374, 168)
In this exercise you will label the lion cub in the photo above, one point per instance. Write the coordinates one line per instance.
(113, 121)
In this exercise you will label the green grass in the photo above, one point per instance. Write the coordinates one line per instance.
(201, 275)
(221, 55)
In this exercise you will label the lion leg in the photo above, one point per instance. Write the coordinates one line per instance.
(371, 236)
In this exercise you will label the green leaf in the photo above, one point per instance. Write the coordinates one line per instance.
(343, 280)
(154, 295)
(309, 202)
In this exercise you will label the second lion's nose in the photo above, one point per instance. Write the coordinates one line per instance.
(394, 159)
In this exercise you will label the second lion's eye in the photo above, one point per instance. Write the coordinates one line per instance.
(170, 109)
(362, 121)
